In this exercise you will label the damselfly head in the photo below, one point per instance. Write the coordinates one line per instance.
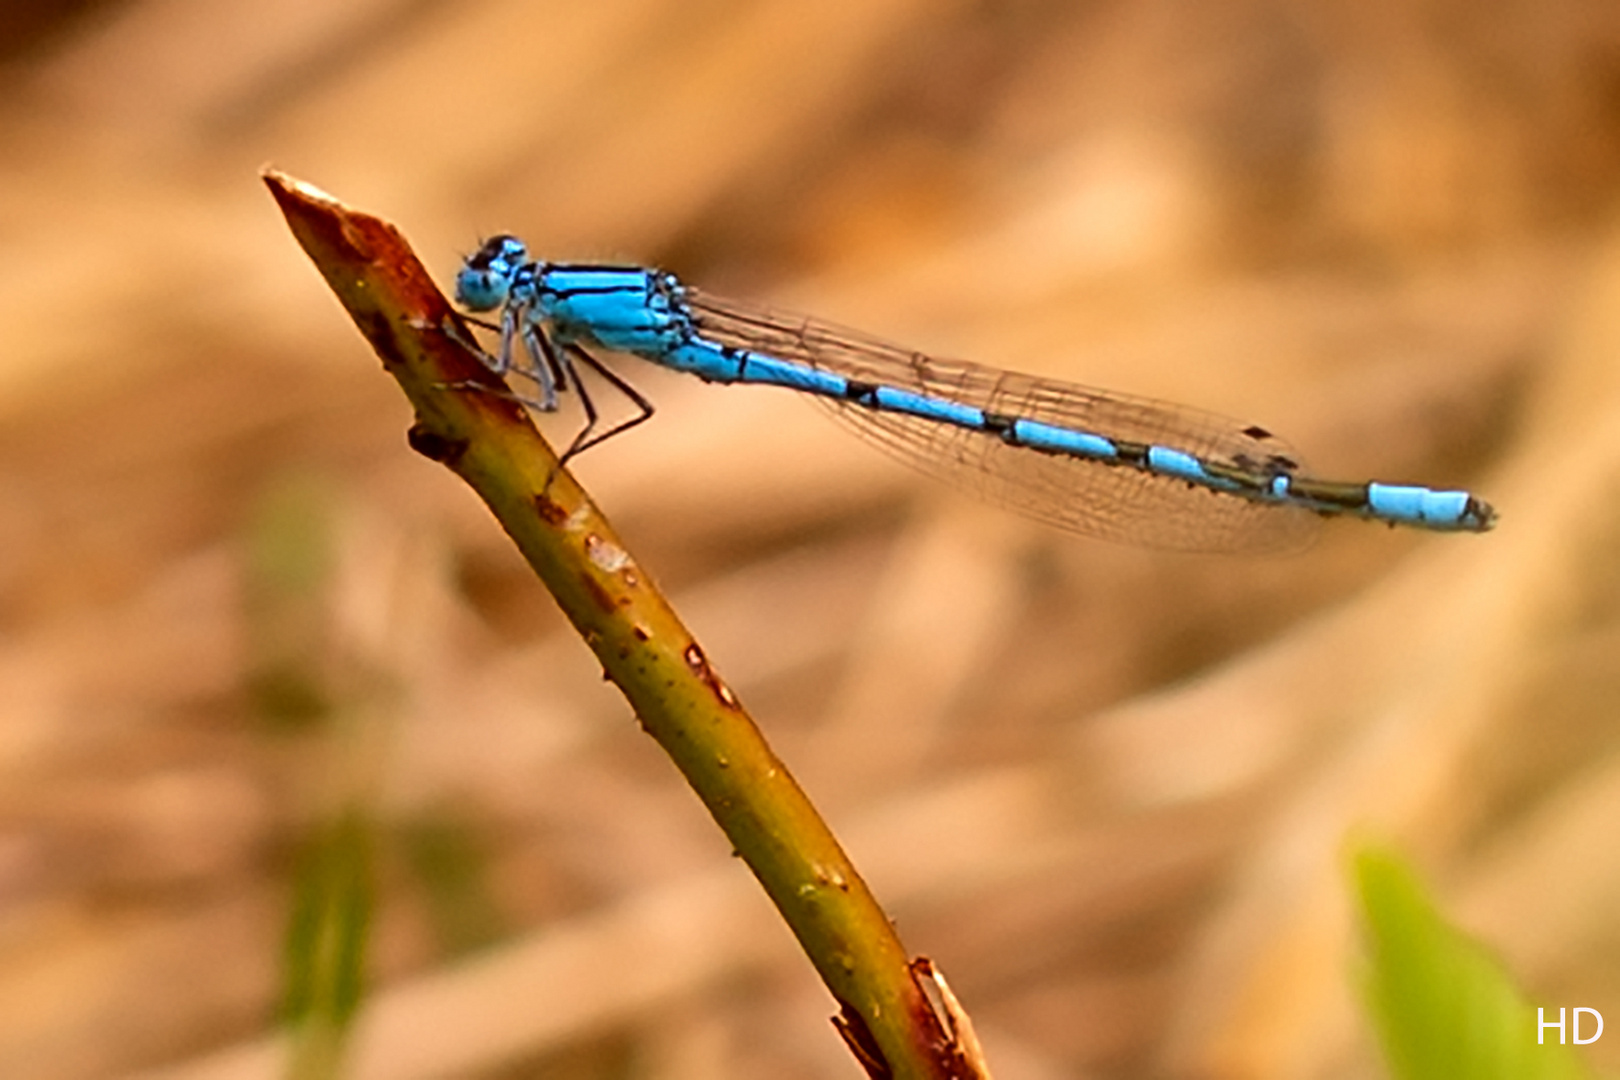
(486, 274)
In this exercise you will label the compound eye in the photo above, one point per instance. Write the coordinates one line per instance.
(486, 275)
(481, 289)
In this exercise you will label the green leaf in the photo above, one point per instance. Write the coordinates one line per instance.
(326, 942)
(1445, 1007)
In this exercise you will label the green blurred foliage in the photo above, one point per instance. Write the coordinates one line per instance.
(1444, 1007)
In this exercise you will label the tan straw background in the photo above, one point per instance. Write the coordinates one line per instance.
(1110, 791)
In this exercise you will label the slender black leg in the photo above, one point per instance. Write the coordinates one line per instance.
(585, 401)
(543, 367)
(545, 354)
(453, 330)
(585, 440)
(510, 320)
(551, 368)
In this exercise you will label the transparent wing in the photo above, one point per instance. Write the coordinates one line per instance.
(1113, 502)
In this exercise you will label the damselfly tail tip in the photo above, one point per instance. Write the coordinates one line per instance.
(1479, 515)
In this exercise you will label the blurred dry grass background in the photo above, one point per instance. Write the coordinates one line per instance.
(1109, 791)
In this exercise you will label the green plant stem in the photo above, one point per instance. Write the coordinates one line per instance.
(467, 421)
